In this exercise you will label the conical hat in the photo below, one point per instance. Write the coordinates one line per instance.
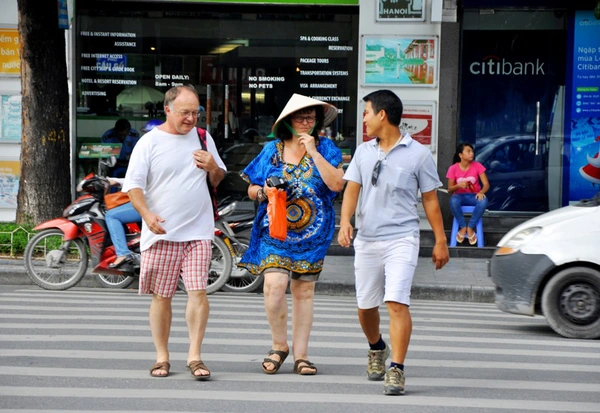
(298, 102)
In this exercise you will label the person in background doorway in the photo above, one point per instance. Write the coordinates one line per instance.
(167, 184)
(121, 133)
(311, 169)
(387, 174)
(463, 183)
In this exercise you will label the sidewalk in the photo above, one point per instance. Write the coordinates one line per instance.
(462, 279)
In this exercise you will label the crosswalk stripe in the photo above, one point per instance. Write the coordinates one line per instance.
(267, 397)
(294, 378)
(57, 338)
(245, 317)
(249, 358)
(545, 342)
(419, 306)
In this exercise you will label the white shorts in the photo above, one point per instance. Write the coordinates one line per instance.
(384, 270)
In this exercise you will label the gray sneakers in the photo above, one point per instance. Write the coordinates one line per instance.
(394, 382)
(376, 364)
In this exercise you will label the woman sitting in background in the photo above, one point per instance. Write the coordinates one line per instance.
(463, 182)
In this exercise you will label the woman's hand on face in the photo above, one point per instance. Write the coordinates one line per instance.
(309, 143)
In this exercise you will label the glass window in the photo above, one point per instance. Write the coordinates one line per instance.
(249, 59)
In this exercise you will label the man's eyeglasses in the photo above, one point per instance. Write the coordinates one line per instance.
(301, 119)
(186, 113)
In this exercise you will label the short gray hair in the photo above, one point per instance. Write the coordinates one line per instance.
(172, 93)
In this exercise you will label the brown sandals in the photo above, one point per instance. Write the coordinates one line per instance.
(282, 356)
(195, 365)
(304, 368)
(160, 365)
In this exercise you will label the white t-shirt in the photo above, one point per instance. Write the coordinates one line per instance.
(162, 166)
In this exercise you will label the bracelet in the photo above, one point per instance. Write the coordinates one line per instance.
(260, 195)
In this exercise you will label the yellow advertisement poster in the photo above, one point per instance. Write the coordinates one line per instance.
(10, 172)
(10, 60)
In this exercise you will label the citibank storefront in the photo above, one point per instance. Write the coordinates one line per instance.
(530, 100)
(244, 58)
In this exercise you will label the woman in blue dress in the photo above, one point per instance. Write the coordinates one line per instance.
(311, 167)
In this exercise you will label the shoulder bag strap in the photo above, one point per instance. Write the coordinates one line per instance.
(211, 189)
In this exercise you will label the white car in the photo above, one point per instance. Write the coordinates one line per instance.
(550, 265)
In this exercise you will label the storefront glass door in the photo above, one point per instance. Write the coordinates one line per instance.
(513, 67)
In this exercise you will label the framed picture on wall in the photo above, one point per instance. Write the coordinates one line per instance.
(418, 120)
(400, 10)
(407, 61)
(10, 60)
(10, 118)
(10, 172)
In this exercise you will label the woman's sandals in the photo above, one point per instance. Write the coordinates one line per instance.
(195, 365)
(304, 368)
(282, 356)
(160, 365)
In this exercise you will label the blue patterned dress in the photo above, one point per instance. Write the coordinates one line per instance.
(310, 213)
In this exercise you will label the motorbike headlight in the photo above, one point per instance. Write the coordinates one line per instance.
(517, 241)
(226, 210)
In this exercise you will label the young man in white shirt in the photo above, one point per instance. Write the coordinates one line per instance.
(390, 169)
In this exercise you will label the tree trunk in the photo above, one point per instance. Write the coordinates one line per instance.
(45, 184)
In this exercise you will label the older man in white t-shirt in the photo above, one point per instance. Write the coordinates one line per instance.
(167, 184)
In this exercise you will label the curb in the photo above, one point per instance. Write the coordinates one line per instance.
(441, 292)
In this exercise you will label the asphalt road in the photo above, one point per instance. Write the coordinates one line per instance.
(90, 350)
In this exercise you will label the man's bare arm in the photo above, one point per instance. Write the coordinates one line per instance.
(138, 200)
(431, 205)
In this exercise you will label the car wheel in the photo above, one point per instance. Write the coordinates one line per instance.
(571, 303)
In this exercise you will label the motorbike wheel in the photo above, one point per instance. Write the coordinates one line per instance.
(241, 280)
(116, 281)
(220, 266)
(54, 264)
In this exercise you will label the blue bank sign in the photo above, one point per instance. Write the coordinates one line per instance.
(582, 133)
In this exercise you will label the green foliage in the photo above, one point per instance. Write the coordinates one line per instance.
(15, 235)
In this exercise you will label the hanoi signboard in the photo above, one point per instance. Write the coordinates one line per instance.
(400, 10)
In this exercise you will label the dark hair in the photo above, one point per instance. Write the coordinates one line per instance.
(122, 124)
(389, 102)
(284, 133)
(459, 149)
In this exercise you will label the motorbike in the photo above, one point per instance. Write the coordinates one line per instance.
(56, 258)
(234, 231)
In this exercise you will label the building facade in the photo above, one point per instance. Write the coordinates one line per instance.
(517, 79)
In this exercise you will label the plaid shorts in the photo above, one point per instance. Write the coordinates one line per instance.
(165, 261)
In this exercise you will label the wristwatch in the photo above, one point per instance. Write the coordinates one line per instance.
(261, 196)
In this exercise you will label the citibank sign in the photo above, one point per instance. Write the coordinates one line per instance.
(493, 65)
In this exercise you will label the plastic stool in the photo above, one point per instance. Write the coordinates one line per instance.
(478, 231)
